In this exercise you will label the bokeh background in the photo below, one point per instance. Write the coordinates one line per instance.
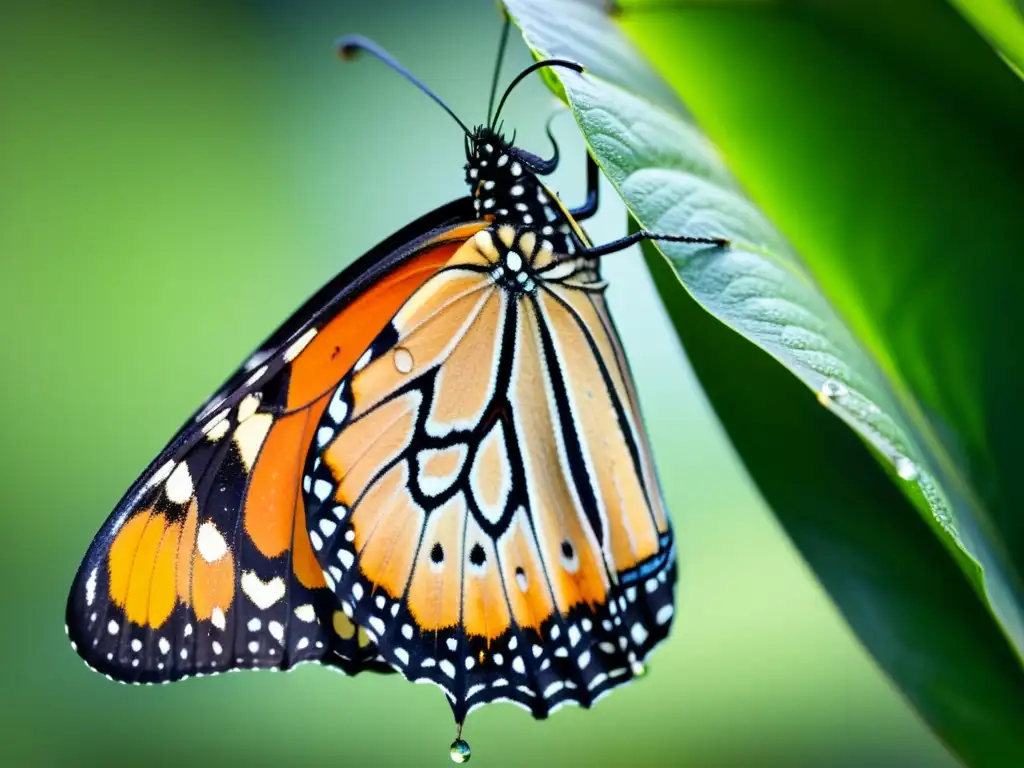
(175, 178)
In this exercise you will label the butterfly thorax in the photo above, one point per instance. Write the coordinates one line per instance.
(507, 190)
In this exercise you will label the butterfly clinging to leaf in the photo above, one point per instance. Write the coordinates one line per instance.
(436, 466)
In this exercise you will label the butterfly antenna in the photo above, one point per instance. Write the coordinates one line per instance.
(349, 47)
(529, 70)
(497, 67)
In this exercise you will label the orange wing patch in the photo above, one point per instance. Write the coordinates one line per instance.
(632, 532)
(274, 490)
(571, 553)
(388, 548)
(132, 564)
(154, 565)
(433, 597)
(523, 573)
(459, 300)
(485, 611)
(593, 314)
(213, 575)
(469, 375)
(370, 444)
(325, 359)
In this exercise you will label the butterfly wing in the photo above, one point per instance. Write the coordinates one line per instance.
(483, 500)
(206, 565)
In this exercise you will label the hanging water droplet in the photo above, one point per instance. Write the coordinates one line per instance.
(905, 468)
(830, 390)
(460, 752)
(403, 360)
(639, 669)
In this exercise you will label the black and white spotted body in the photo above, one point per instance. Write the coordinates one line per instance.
(506, 189)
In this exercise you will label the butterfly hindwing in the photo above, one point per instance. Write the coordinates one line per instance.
(207, 564)
(492, 515)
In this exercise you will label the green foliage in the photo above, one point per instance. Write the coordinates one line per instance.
(895, 307)
(1002, 22)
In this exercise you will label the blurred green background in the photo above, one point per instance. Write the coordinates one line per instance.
(175, 178)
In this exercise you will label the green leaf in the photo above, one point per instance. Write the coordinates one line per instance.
(1002, 23)
(673, 180)
(892, 581)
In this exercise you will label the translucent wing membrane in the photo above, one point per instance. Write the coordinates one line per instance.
(206, 564)
(481, 497)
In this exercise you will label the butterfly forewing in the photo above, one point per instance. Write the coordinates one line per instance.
(483, 501)
(207, 564)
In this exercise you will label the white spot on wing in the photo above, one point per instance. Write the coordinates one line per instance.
(256, 376)
(638, 633)
(161, 474)
(434, 485)
(210, 542)
(250, 434)
(321, 489)
(305, 613)
(217, 618)
(338, 408)
(90, 587)
(276, 630)
(363, 361)
(323, 436)
(263, 594)
(215, 431)
(299, 344)
(247, 407)
(179, 485)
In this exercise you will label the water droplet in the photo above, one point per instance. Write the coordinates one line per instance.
(639, 669)
(403, 360)
(905, 468)
(830, 390)
(460, 752)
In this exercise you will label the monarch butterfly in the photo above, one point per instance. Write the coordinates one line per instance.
(436, 466)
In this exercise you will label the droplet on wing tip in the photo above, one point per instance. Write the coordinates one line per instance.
(460, 752)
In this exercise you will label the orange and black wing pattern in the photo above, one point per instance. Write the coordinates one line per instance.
(206, 564)
(481, 496)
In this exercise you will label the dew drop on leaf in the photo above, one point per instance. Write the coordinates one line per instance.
(905, 468)
(830, 390)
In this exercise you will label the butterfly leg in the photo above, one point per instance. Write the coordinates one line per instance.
(589, 208)
(643, 235)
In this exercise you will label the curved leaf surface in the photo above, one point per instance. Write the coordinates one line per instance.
(673, 180)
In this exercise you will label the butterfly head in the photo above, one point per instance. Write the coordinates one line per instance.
(503, 180)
